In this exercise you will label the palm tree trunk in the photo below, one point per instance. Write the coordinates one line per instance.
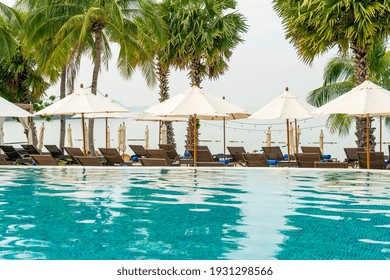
(360, 61)
(97, 62)
(163, 76)
(196, 79)
(63, 120)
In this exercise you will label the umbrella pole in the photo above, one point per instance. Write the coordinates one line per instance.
(296, 136)
(368, 142)
(106, 132)
(288, 140)
(224, 137)
(380, 134)
(83, 127)
(195, 140)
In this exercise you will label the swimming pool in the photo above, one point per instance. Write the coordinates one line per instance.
(183, 213)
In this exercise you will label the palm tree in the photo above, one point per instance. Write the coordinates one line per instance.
(89, 27)
(9, 21)
(204, 35)
(19, 79)
(316, 26)
(339, 78)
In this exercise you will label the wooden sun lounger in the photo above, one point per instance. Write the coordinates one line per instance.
(139, 150)
(154, 162)
(273, 153)
(31, 149)
(307, 159)
(171, 151)
(19, 157)
(44, 160)
(57, 153)
(331, 164)
(73, 153)
(236, 153)
(160, 153)
(255, 160)
(89, 161)
(377, 160)
(113, 157)
(351, 154)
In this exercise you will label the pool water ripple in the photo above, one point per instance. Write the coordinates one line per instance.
(139, 213)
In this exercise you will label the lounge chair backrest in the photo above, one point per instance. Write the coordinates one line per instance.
(54, 151)
(154, 162)
(236, 153)
(112, 156)
(307, 159)
(377, 160)
(44, 160)
(31, 149)
(73, 153)
(158, 153)
(11, 152)
(170, 150)
(351, 153)
(89, 161)
(255, 160)
(273, 152)
(139, 150)
(311, 149)
(203, 156)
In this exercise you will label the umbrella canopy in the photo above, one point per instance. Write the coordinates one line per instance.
(365, 100)
(69, 136)
(198, 104)
(41, 136)
(9, 109)
(195, 101)
(82, 102)
(286, 106)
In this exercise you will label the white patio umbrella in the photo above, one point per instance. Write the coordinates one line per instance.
(108, 137)
(298, 138)
(285, 106)
(82, 102)
(164, 136)
(322, 141)
(9, 109)
(69, 136)
(198, 104)
(291, 143)
(85, 133)
(41, 135)
(365, 100)
(268, 137)
(122, 138)
(2, 119)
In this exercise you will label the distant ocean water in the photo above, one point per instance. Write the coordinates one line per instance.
(246, 133)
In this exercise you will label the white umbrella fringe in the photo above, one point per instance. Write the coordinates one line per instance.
(69, 136)
(41, 136)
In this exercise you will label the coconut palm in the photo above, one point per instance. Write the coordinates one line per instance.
(204, 34)
(88, 27)
(316, 26)
(339, 78)
(19, 79)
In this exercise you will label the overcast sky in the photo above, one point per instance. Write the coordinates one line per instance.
(260, 68)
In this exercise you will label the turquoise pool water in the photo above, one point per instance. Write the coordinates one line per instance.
(172, 214)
